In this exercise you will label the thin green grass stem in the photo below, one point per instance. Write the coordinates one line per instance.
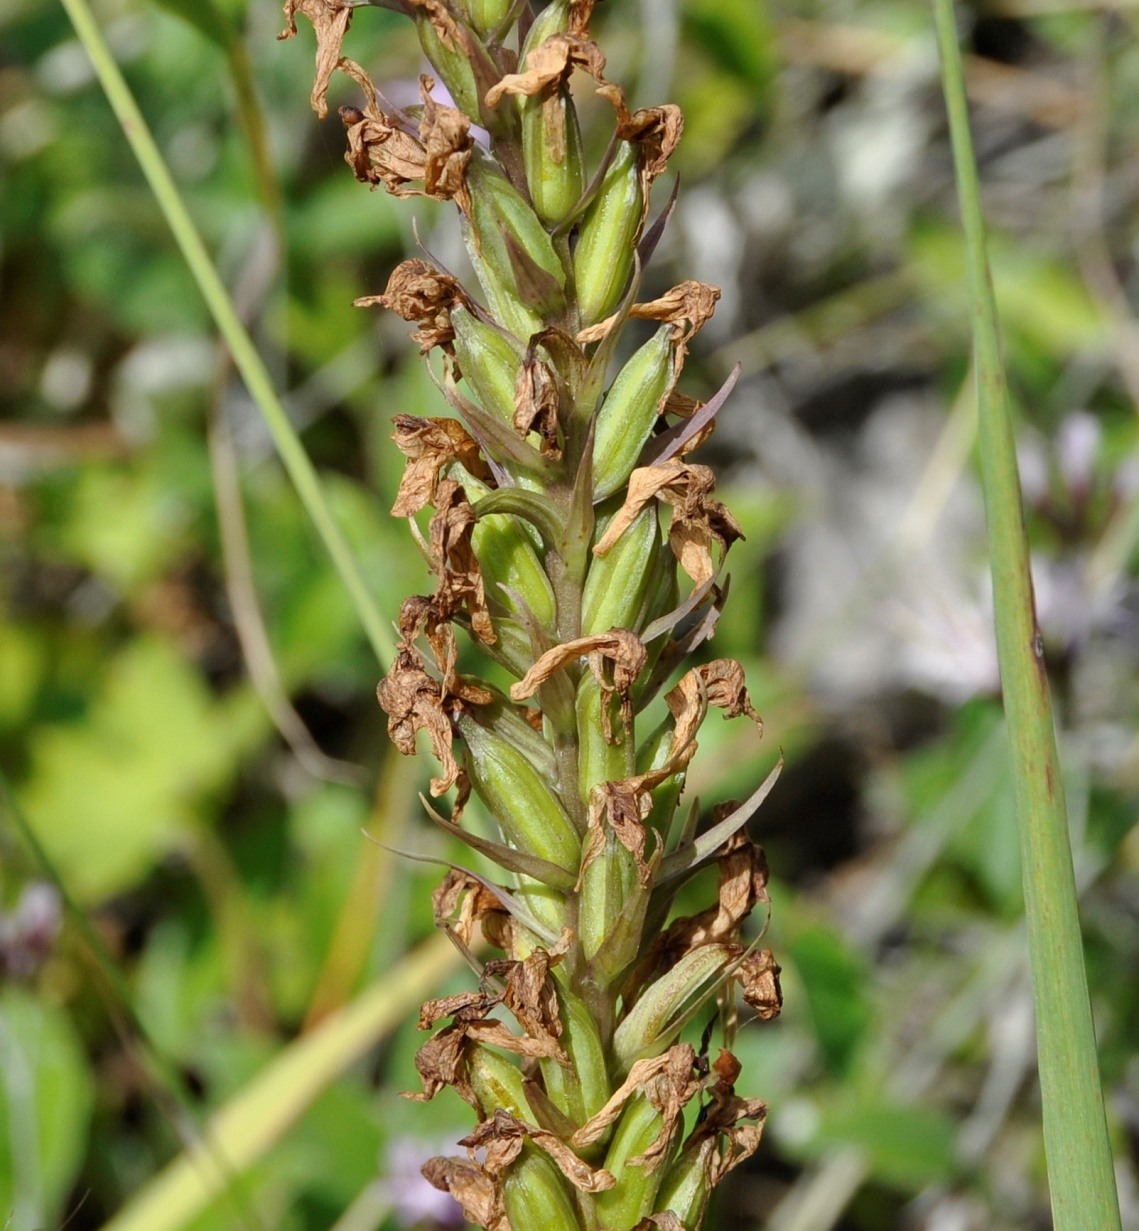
(245, 356)
(1080, 1174)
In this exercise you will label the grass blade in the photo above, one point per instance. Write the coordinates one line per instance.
(1080, 1174)
(245, 356)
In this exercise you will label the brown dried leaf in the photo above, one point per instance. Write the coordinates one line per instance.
(474, 905)
(536, 404)
(550, 65)
(666, 1220)
(719, 683)
(454, 561)
(439, 15)
(430, 445)
(531, 996)
(759, 977)
(479, 1194)
(330, 20)
(721, 1118)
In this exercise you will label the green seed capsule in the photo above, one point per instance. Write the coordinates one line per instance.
(552, 155)
(581, 1089)
(487, 15)
(519, 798)
(553, 19)
(618, 583)
(497, 1082)
(512, 252)
(608, 888)
(452, 64)
(597, 760)
(655, 1020)
(536, 1196)
(621, 1207)
(507, 558)
(603, 258)
(489, 362)
(684, 1189)
(629, 411)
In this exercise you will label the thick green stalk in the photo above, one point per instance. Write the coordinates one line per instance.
(245, 356)
(1080, 1174)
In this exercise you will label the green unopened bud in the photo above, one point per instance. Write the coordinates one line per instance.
(489, 362)
(603, 258)
(519, 798)
(659, 1014)
(497, 1083)
(512, 253)
(629, 411)
(684, 1189)
(618, 584)
(536, 1196)
(579, 1090)
(621, 1207)
(507, 557)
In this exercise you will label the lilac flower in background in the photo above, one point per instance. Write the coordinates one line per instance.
(28, 932)
(415, 1201)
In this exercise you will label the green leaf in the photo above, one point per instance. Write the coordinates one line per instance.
(204, 16)
(46, 1094)
(835, 980)
(909, 1147)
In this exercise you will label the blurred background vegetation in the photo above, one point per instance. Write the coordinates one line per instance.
(187, 716)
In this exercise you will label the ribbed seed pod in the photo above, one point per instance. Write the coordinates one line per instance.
(629, 411)
(487, 15)
(552, 155)
(603, 258)
(512, 253)
(581, 1089)
(654, 1021)
(598, 760)
(489, 362)
(609, 885)
(497, 1082)
(452, 64)
(507, 557)
(684, 1189)
(519, 798)
(624, 1205)
(618, 583)
(536, 1196)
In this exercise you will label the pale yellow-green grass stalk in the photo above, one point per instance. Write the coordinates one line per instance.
(539, 507)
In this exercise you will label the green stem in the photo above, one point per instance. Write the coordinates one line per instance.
(245, 356)
(1081, 1177)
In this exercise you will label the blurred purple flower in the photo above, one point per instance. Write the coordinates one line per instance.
(28, 932)
(414, 1200)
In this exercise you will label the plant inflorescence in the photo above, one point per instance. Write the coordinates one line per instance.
(547, 492)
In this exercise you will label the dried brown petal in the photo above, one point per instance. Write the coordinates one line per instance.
(624, 650)
(430, 445)
(460, 579)
(446, 136)
(330, 20)
(656, 131)
(580, 12)
(687, 307)
(721, 1119)
(550, 65)
(414, 702)
(530, 995)
(502, 1138)
(423, 295)
(536, 404)
(759, 977)
(380, 152)
(474, 905)
(666, 1220)
(669, 1082)
(479, 1194)
(444, 23)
